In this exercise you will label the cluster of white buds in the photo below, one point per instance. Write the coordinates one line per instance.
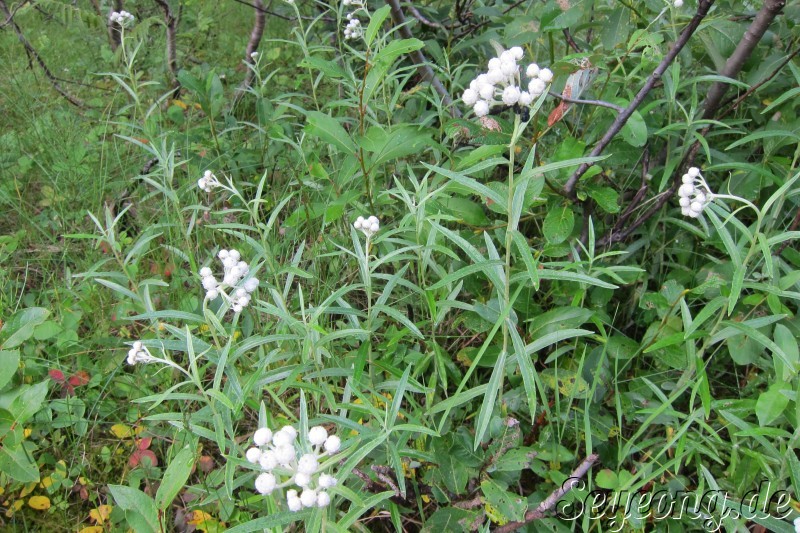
(502, 84)
(123, 18)
(369, 226)
(140, 354)
(209, 181)
(353, 30)
(235, 271)
(694, 193)
(284, 464)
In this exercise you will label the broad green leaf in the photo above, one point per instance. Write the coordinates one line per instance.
(771, 404)
(329, 130)
(17, 463)
(132, 499)
(558, 224)
(175, 477)
(9, 363)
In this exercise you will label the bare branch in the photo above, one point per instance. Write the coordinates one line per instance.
(253, 42)
(172, 26)
(600, 103)
(622, 118)
(423, 68)
(420, 17)
(543, 508)
(35, 55)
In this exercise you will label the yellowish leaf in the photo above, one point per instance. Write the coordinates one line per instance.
(198, 517)
(27, 489)
(40, 503)
(121, 431)
(14, 506)
(101, 514)
(46, 482)
(180, 104)
(92, 529)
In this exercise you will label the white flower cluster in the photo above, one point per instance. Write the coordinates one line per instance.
(235, 272)
(502, 83)
(123, 18)
(369, 226)
(284, 464)
(140, 354)
(209, 181)
(694, 193)
(353, 30)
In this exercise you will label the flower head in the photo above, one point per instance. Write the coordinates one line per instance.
(502, 84)
(140, 354)
(283, 463)
(694, 194)
(234, 288)
(123, 18)
(208, 182)
(368, 226)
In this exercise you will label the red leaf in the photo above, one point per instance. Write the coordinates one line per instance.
(57, 375)
(137, 456)
(145, 443)
(80, 379)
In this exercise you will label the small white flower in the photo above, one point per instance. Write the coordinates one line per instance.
(532, 71)
(481, 108)
(369, 226)
(262, 436)
(302, 480)
(797, 525)
(284, 454)
(326, 481)
(254, 56)
(139, 353)
(308, 497)
(693, 172)
(294, 504)
(323, 499)
(486, 91)
(537, 87)
(686, 190)
(317, 435)
(308, 464)
(265, 483)
(332, 444)
(511, 95)
(268, 461)
(525, 98)
(517, 52)
(253, 455)
(678, 3)
(546, 75)
(469, 97)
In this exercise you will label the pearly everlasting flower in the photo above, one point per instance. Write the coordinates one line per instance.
(254, 56)
(502, 84)
(368, 226)
(265, 483)
(234, 288)
(694, 194)
(797, 525)
(122, 18)
(286, 458)
(208, 182)
(332, 444)
(317, 435)
(140, 354)
(253, 455)
(677, 3)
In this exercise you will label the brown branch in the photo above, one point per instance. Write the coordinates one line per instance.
(35, 55)
(622, 118)
(570, 41)
(14, 12)
(263, 9)
(550, 502)
(600, 103)
(755, 31)
(757, 28)
(423, 68)
(424, 20)
(172, 57)
(253, 42)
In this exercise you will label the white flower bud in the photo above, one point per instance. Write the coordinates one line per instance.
(212, 294)
(326, 481)
(302, 480)
(323, 499)
(481, 108)
(546, 75)
(686, 190)
(235, 255)
(693, 172)
(253, 455)
(494, 63)
(469, 97)
(495, 76)
(686, 178)
(265, 483)
(262, 436)
(525, 98)
(294, 504)
(222, 254)
(517, 52)
(532, 71)
(205, 272)
(308, 498)
(332, 444)
(511, 95)
(700, 197)
(677, 3)
(308, 464)
(251, 284)
(486, 92)
(684, 201)
(536, 87)
(697, 207)
(285, 454)
(509, 68)
(268, 461)
(317, 435)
